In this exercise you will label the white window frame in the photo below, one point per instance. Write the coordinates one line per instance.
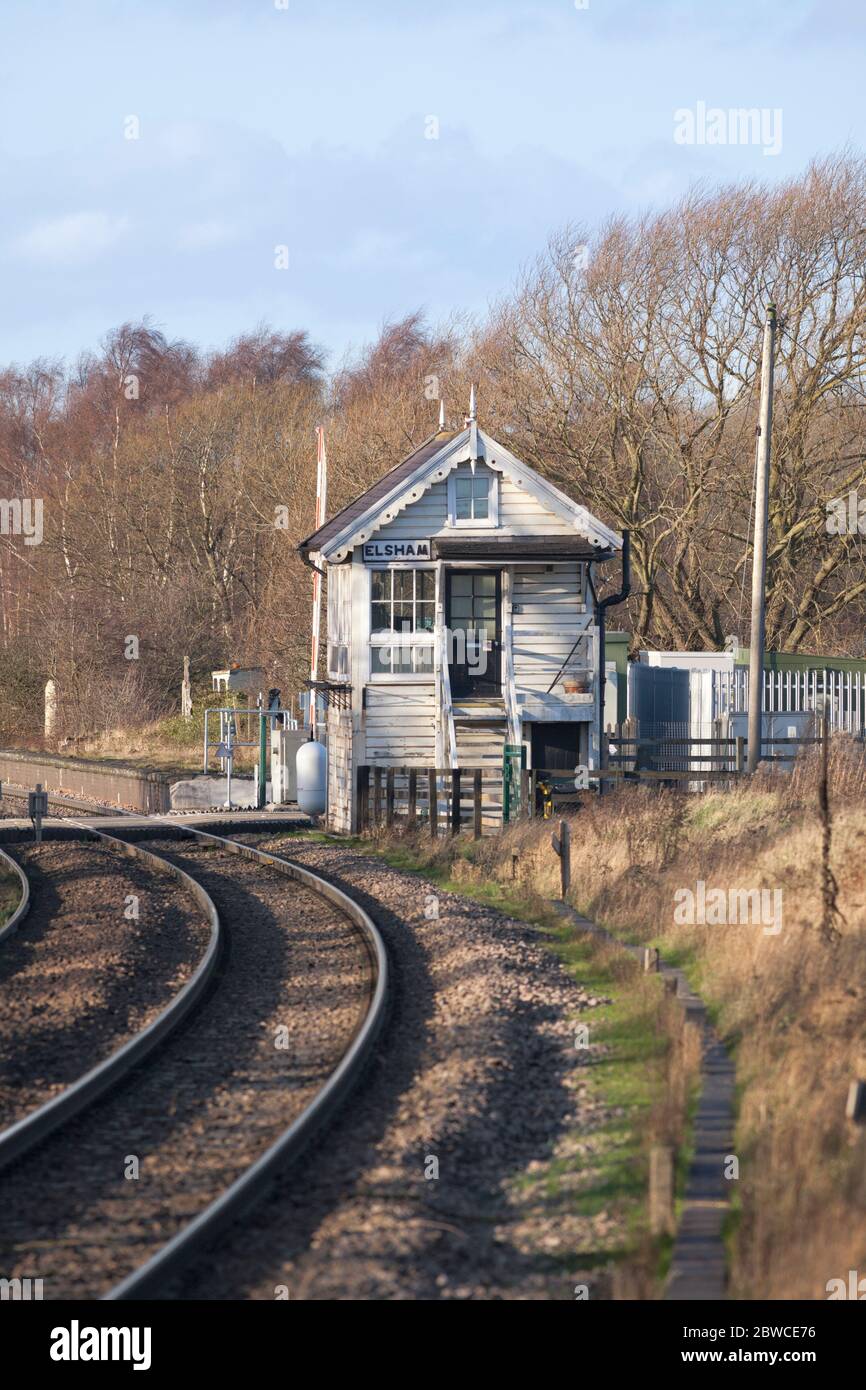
(412, 639)
(470, 522)
(339, 624)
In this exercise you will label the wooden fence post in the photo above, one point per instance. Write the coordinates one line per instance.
(455, 801)
(631, 730)
(377, 796)
(661, 1191)
(433, 796)
(855, 1107)
(389, 797)
(412, 811)
(562, 847)
(741, 753)
(476, 802)
(363, 798)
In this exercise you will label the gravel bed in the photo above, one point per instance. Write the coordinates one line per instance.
(13, 806)
(79, 978)
(208, 1103)
(477, 1070)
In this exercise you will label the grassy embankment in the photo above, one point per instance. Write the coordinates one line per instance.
(172, 745)
(791, 1005)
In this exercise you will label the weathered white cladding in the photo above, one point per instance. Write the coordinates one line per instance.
(396, 721)
(340, 603)
(520, 514)
(339, 630)
(400, 724)
(551, 617)
(340, 770)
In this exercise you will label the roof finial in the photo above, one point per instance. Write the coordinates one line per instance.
(470, 418)
(442, 414)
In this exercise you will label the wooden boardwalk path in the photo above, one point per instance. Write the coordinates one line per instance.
(697, 1269)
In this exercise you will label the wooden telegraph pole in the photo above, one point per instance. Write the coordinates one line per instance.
(759, 549)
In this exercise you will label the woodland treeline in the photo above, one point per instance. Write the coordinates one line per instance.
(625, 366)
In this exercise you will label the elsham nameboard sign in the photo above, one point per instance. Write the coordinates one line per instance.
(396, 550)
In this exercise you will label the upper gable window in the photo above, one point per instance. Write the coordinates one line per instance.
(473, 498)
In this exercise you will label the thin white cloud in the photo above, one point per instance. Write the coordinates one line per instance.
(374, 249)
(71, 240)
(201, 236)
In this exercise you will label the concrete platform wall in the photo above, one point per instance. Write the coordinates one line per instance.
(130, 787)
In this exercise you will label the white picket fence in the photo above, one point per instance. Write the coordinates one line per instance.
(843, 691)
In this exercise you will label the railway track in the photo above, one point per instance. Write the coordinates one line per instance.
(108, 943)
(13, 806)
(116, 1200)
(12, 870)
(23, 1134)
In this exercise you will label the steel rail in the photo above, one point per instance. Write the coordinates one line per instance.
(149, 1278)
(33, 1128)
(24, 906)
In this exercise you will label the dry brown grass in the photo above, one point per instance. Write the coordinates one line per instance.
(792, 1005)
(149, 747)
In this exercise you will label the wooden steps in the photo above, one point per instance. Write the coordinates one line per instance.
(480, 744)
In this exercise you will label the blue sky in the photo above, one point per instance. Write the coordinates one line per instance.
(306, 126)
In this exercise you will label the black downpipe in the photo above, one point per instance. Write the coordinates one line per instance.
(601, 607)
(305, 556)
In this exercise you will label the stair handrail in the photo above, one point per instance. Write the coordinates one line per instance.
(446, 712)
(512, 721)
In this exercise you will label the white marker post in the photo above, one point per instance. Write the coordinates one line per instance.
(226, 751)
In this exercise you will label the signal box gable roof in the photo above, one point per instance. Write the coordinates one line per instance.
(430, 464)
(319, 540)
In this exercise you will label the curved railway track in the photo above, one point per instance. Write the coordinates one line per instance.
(13, 922)
(22, 1135)
(106, 945)
(218, 1108)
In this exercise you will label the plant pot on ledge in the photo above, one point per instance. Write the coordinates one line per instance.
(577, 685)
